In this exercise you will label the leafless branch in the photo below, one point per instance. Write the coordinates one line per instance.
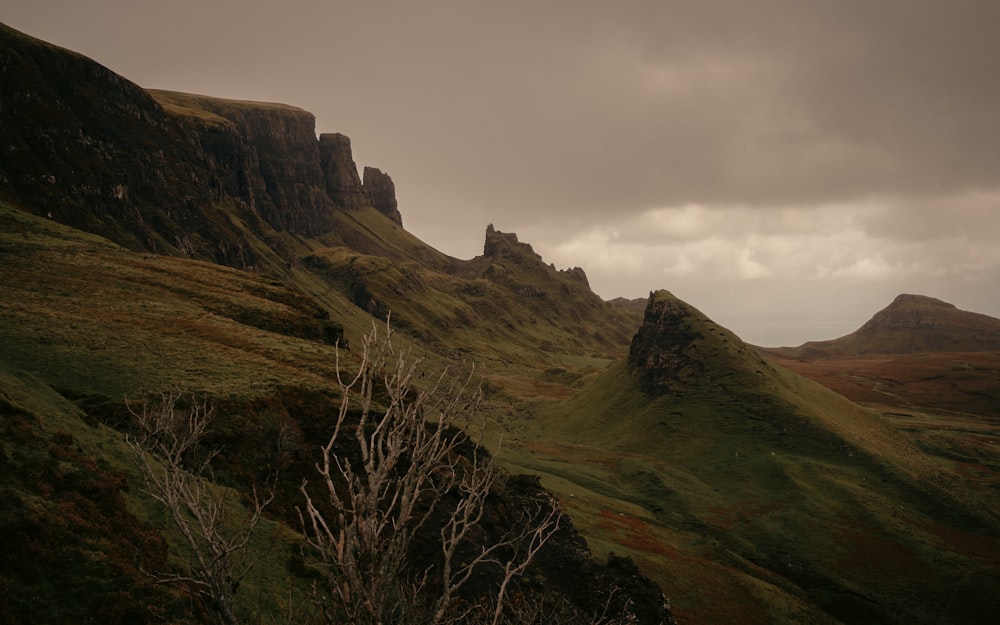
(387, 473)
(166, 445)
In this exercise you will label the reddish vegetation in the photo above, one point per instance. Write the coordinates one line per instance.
(983, 548)
(706, 591)
(967, 382)
(872, 551)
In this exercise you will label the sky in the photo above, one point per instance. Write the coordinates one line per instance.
(786, 166)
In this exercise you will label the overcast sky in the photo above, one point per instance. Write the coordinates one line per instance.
(786, 166)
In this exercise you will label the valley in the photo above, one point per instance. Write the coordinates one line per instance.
(154, 240)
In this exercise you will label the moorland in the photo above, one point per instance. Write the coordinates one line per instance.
(152, 241)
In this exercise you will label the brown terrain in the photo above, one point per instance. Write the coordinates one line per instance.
(930, 369)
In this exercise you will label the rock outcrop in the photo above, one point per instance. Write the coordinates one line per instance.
(343, 184)
(677, 348)
(505, 244)
(381, 194)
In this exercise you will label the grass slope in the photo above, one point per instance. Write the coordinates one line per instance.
(760, 496)
(85, 324)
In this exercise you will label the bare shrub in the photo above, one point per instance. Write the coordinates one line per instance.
(397, 464)
(177, 473)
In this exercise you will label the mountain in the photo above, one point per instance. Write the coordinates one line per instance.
(926, 367)
(910, 324)
(759, 496)
(169, 173)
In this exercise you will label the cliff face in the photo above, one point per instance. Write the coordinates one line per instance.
(165, 171)
(343, 184)
(90, 149)
(381, 194)
(677, 348)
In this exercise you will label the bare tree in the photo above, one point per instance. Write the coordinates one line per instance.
(166, 446)
(402, 459)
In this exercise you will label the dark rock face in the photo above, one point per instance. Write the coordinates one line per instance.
(678, 348)
(264, 156)
(161, 171)
(287, 156)
(381, 194)
(343, 184)
(506, 245)
(657, 354)
(93, 150)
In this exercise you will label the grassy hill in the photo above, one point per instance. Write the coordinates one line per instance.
(86, 326)
(758, 496)
(911, 324)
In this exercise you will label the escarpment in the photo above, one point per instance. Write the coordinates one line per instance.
(343, 184)
(88, 148)
(163, 171)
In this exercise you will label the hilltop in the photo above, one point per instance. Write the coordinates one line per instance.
(911, 324)
(918, 352)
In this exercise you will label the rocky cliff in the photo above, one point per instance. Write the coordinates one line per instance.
(163, 171)
(340, 173)
(677, 348)
(88, 148)
(381, 194)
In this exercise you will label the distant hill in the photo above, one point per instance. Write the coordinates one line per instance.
(911, 324)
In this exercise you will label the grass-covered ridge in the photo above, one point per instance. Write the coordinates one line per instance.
(805, 499)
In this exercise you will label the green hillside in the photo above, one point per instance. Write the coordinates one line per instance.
(755, 492)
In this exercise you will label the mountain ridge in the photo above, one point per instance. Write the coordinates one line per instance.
(166, 172)
(157, 240)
